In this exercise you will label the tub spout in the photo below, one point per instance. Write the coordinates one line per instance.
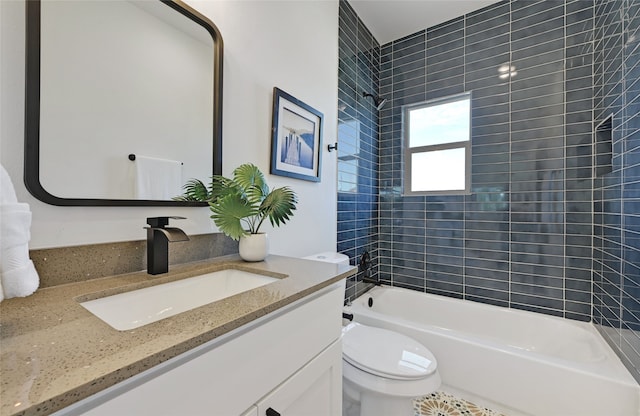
(365, 268)
(371, 280)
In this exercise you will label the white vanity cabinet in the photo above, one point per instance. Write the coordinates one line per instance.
(286, 363)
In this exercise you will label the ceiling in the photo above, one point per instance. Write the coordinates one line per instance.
(392, 19)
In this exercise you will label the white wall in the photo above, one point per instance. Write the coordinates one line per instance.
(291, 45)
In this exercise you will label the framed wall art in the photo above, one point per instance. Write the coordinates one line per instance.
(296, 138)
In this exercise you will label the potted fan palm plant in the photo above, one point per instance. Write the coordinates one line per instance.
(241, 204)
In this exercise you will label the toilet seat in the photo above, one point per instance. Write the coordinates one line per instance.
(386, 353)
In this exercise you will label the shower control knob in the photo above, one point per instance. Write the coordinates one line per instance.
(271, 412)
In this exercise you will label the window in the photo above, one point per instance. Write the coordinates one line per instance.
(438, 146)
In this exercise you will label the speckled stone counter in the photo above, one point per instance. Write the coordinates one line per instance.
(53, 352)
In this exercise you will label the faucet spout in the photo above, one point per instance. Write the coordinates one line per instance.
(158, 238)
(173, 234)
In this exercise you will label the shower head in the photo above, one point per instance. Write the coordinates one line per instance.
(377, 100)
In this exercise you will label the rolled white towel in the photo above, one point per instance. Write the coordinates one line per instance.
(7, 192)
(15, 225)
(18, 276)
(20, 282)
(14, 257)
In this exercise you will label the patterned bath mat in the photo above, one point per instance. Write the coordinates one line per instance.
(444, 404)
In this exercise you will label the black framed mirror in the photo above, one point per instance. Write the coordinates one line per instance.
(119, 94)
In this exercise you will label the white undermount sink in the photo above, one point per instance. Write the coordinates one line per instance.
(134, 309)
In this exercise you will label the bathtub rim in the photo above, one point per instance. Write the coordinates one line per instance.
(614, 369)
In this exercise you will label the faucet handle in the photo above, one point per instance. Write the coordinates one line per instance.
(161, 222)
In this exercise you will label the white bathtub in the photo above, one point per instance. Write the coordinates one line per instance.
(531, 363)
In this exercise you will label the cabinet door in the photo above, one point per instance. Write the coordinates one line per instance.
(315, 390)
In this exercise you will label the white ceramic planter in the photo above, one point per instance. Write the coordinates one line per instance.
(254, 247)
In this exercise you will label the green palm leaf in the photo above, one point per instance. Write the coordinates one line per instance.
(221, 186)
(194, 190)
(227, 213)
(279, 205)
(243, 200)
(252, 182)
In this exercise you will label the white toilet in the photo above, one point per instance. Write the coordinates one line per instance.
(383, 371)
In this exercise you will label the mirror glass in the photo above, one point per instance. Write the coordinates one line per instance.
(123, 101)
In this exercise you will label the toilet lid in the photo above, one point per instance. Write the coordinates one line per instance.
(386, 353)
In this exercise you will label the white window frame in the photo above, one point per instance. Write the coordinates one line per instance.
(409, 151)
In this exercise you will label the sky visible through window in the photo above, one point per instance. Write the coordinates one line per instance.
(439, 123)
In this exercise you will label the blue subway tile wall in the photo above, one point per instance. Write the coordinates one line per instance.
(358, 72)
(616, 195)
(578, 158)
(523, 237)
(537, 173)
(543, 229)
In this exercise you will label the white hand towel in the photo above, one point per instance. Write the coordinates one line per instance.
(158, 178)
(7, 192)
(15, 225)
(18, 276)
(20, 282)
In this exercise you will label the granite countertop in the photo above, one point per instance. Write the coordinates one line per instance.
(53, 352)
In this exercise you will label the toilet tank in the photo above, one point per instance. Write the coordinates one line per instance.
(330, 257)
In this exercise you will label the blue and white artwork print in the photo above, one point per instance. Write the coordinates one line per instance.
(297, 140)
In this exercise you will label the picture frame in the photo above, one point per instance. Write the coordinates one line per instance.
(296, 138)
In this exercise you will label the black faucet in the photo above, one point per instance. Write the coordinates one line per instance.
(365, 268)
(158, 238)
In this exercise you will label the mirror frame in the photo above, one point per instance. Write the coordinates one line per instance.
(32, 111)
